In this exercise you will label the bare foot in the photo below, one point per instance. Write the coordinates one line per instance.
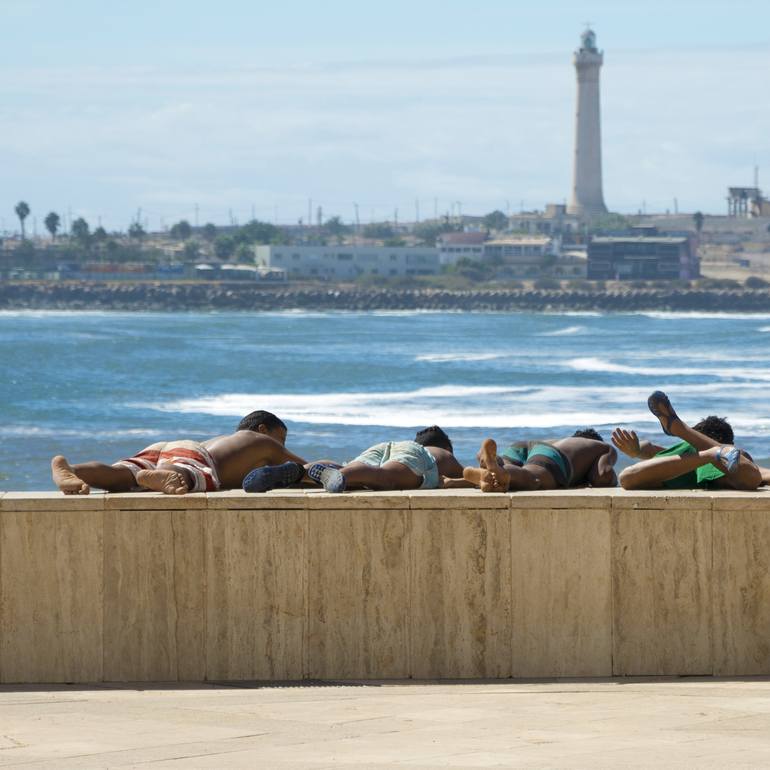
(64, 478)
(169, 482)
(491, 478)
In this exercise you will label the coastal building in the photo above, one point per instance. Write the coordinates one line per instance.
(553, 220)
(747, 202)
(454, 246)
(347, 262)
(587, 197)
(658, 257)
(533, 257)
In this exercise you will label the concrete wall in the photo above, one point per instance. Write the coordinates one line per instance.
(383, 585)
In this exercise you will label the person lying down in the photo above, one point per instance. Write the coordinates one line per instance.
(179, 467)
(578, 460)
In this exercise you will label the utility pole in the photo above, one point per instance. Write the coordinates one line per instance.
(309, 212)
(232, 218)
(358, 223)
(320, 216)
(196, 215)
(417, 210)
(676, 206)
(395, 218)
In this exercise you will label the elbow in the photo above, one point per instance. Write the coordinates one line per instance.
(629, 479)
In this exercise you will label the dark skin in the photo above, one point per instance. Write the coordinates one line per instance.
(234, 456)
(592, 464)
(394, 475)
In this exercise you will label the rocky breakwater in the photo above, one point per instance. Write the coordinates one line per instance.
(170, 296)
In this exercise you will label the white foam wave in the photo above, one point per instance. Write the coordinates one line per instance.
(592, 364)
(485, 406)
(27, 431)
(694, 315)
(449, 357)
(566, 332)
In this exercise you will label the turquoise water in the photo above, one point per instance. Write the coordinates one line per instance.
(102, 385)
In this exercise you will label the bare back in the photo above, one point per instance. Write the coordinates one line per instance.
(582, 454)
(447, 463)
(237, 454)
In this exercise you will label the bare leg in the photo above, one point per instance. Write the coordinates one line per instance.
(77, 479)
(169, 479)
(680, 429)
(390, 476)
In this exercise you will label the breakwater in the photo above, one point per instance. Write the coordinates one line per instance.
(161, 296)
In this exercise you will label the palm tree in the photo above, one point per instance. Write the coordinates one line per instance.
(22, 212)
(698, 220)
(52, 222)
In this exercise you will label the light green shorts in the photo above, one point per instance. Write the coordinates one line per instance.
(415, 456)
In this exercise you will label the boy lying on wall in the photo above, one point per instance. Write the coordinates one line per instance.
(388, 466)
(578, 460)
(705, 457)
(178, 467)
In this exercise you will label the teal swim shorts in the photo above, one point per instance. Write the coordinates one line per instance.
(415, 456)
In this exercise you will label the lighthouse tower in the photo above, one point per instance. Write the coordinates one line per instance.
(587, 198)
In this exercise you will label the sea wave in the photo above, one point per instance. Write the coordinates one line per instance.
(450, 357)
(670, 315)
(566, 332)
(29, 431)
(593, 364)
(486, 406)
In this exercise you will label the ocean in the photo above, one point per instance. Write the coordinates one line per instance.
(101, 385)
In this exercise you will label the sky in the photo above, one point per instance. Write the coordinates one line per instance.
(217, 112)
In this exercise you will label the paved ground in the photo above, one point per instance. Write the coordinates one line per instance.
(620, 723)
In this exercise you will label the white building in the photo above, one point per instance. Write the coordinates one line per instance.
(454, 246)
(520, 249)
(340, 263)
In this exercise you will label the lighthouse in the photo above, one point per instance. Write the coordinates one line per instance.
(587, 198)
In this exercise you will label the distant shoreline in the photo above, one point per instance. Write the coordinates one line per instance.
(235, 296)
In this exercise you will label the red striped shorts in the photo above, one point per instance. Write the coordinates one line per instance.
(190, 455)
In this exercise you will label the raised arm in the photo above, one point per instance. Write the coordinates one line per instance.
(602, 472)
(628, 442)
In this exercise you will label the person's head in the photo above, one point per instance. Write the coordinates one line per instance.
(264, 422)
(434, 436)
(588, 433)
(716, 428)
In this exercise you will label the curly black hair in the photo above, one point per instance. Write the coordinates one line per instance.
(253, 420)
(588, 433)
(434, 436)
(716, 428)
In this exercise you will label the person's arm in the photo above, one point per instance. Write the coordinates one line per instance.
(628, 442)
(602, 473)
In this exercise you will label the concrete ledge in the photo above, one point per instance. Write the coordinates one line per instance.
(451, 584)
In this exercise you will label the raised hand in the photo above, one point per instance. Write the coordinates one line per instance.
(627, 442)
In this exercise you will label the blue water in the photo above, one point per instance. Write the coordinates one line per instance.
(103, 385)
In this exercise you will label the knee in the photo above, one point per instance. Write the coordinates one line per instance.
(627, 480)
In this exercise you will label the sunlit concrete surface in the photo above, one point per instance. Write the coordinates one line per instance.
(571, 723)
